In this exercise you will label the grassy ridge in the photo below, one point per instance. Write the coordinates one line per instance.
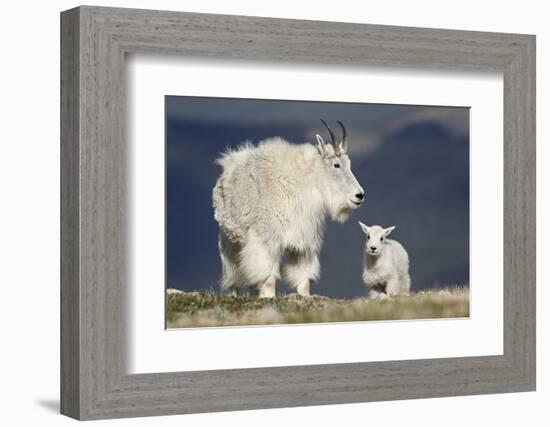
(200, 309)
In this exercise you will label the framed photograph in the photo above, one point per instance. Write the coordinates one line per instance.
(262, 213)
(274, 201)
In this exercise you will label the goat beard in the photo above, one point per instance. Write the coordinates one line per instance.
(341, 213)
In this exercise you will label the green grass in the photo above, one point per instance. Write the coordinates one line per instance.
(202, 309)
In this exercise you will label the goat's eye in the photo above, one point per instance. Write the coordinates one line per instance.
(381, 238)
(336, 165)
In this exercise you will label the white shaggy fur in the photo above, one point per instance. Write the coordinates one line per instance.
(386, 263)
(272, 200)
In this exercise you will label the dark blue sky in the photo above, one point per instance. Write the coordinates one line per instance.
(412, 161)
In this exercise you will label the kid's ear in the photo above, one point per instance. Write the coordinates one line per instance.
(320, 144)
(364, 227)
(388, 230)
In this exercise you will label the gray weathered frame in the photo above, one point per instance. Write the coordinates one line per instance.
(94, 41)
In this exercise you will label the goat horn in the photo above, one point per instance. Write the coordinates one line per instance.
(344, 136)
(331, 134)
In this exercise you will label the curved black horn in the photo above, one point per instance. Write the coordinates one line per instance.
(344, 136)
(331, 134)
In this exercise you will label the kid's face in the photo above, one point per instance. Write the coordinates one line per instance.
(376, 236)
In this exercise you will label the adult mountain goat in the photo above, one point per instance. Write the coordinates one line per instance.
(272, 199)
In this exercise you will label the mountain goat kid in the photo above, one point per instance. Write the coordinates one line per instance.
(272, 200)
(386, 263)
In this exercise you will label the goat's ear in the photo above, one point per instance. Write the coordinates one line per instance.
(364, 227)
(321, 145)
(388, 230)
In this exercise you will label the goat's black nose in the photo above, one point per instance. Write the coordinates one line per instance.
(373, 248)
(360, 196)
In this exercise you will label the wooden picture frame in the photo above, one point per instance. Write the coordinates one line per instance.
(94, 382)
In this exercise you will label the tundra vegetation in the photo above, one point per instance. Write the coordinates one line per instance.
(203, 309)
